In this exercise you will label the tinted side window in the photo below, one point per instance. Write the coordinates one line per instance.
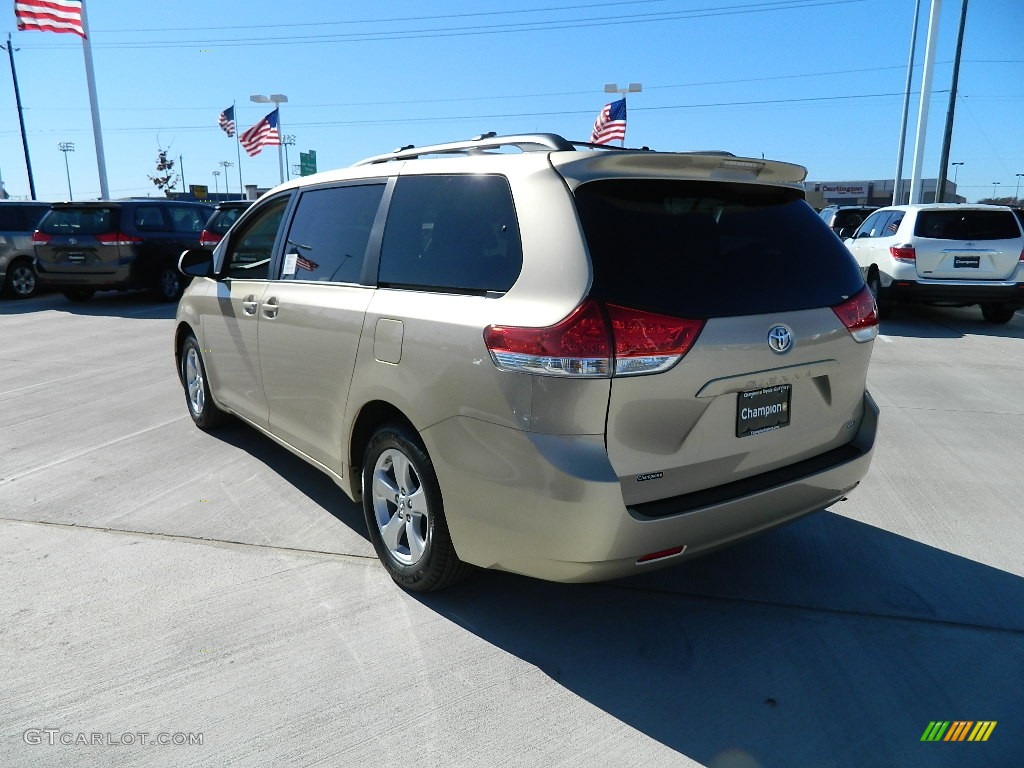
(711, 249)
(454, 233)
(967, 225)
(187, 218)
(20, 218)
(250, 250)
(872, 226)
(329, 232)
(150, 218)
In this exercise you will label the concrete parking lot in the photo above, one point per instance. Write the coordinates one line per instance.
(175, 598)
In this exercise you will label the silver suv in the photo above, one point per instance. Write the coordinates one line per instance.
(944, 253)
(522, 353)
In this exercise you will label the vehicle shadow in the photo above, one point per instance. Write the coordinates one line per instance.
(129, 304)
(827, 642)
(313, 483)
(925, 322)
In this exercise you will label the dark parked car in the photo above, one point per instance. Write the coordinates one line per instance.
(220, 222)
(846, 217)
(17, 222)
(85, 247)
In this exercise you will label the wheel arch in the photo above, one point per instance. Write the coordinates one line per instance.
(180, 333)
(371, 416)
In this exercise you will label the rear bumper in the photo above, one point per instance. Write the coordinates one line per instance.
(551, 506)
(936, 292)
(117, 278)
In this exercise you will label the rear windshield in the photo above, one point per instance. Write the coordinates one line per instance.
(78, 221)
(711, 249)
(967, 225)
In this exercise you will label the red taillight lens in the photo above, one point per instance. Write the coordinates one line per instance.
(903, 252)
(646, 342)
(117, 238)
(594, 340)
(860, 315)
(40, 238)
(208, 239)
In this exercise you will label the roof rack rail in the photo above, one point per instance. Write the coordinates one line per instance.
(527, 142)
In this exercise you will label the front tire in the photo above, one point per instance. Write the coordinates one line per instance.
(201, 408)
(874, 283)
(998, 313)
(21, 280)
(168, 284)
(405, 513)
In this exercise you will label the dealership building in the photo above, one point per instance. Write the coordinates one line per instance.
(877, 192)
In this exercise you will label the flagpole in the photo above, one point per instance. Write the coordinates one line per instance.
(90, 77)
(280, 142)
(21, 118)
(238, 151)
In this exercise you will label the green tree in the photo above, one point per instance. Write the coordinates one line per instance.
(166, 179)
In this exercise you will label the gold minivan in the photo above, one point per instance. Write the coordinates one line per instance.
(539, 356)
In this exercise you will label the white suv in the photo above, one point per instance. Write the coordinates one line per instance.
(944, 253)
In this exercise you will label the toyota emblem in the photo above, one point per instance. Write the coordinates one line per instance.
(780, 339)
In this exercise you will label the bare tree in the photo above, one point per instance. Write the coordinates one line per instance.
(166, 179)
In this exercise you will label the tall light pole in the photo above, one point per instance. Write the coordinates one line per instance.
(956, 170)
(225, 164)
(277, 99)
(287, 141)
(631, 88)
(1016, 194)
(994, 185)
(65, 147)
(216, 184)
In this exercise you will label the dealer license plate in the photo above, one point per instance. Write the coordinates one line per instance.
(966, 262)
(762, 410)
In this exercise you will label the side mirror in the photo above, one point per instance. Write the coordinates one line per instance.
(196, 262)
(846, 232)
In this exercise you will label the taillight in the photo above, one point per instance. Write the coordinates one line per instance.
(117, 238)
(903, 252)
(40, 238)
(208, 239)
(860, 315)
(594, 341)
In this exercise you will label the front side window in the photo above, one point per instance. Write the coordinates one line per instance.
(873, 225)
(188, 219)
(451, 233)
(250, 250)
(329, 233)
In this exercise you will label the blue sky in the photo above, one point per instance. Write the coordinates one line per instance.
(815, 82)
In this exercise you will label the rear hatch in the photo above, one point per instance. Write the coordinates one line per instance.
(774, 375)
(967, 244)
(79, 239)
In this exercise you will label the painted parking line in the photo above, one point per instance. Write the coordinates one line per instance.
(886, 339)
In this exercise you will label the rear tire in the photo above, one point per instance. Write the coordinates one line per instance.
(875, 286)
(21, 280)
(405, 513)
(201, 408)
(79, 294)
(998, 313)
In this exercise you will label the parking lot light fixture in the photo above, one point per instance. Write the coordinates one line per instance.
(994, 185)
(277, 99)
(216, 184)
(1016, 192)
(225, 164)
(65, 147)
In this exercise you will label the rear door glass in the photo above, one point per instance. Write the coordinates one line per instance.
(967, 225)
(711, 249)
(78, 221)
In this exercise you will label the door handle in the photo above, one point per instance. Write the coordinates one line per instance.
(249, 304)
(270, 307)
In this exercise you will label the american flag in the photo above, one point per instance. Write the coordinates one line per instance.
(50, 15)
(227, 121)
(303, 263)
(263, 134)
(610, 123)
